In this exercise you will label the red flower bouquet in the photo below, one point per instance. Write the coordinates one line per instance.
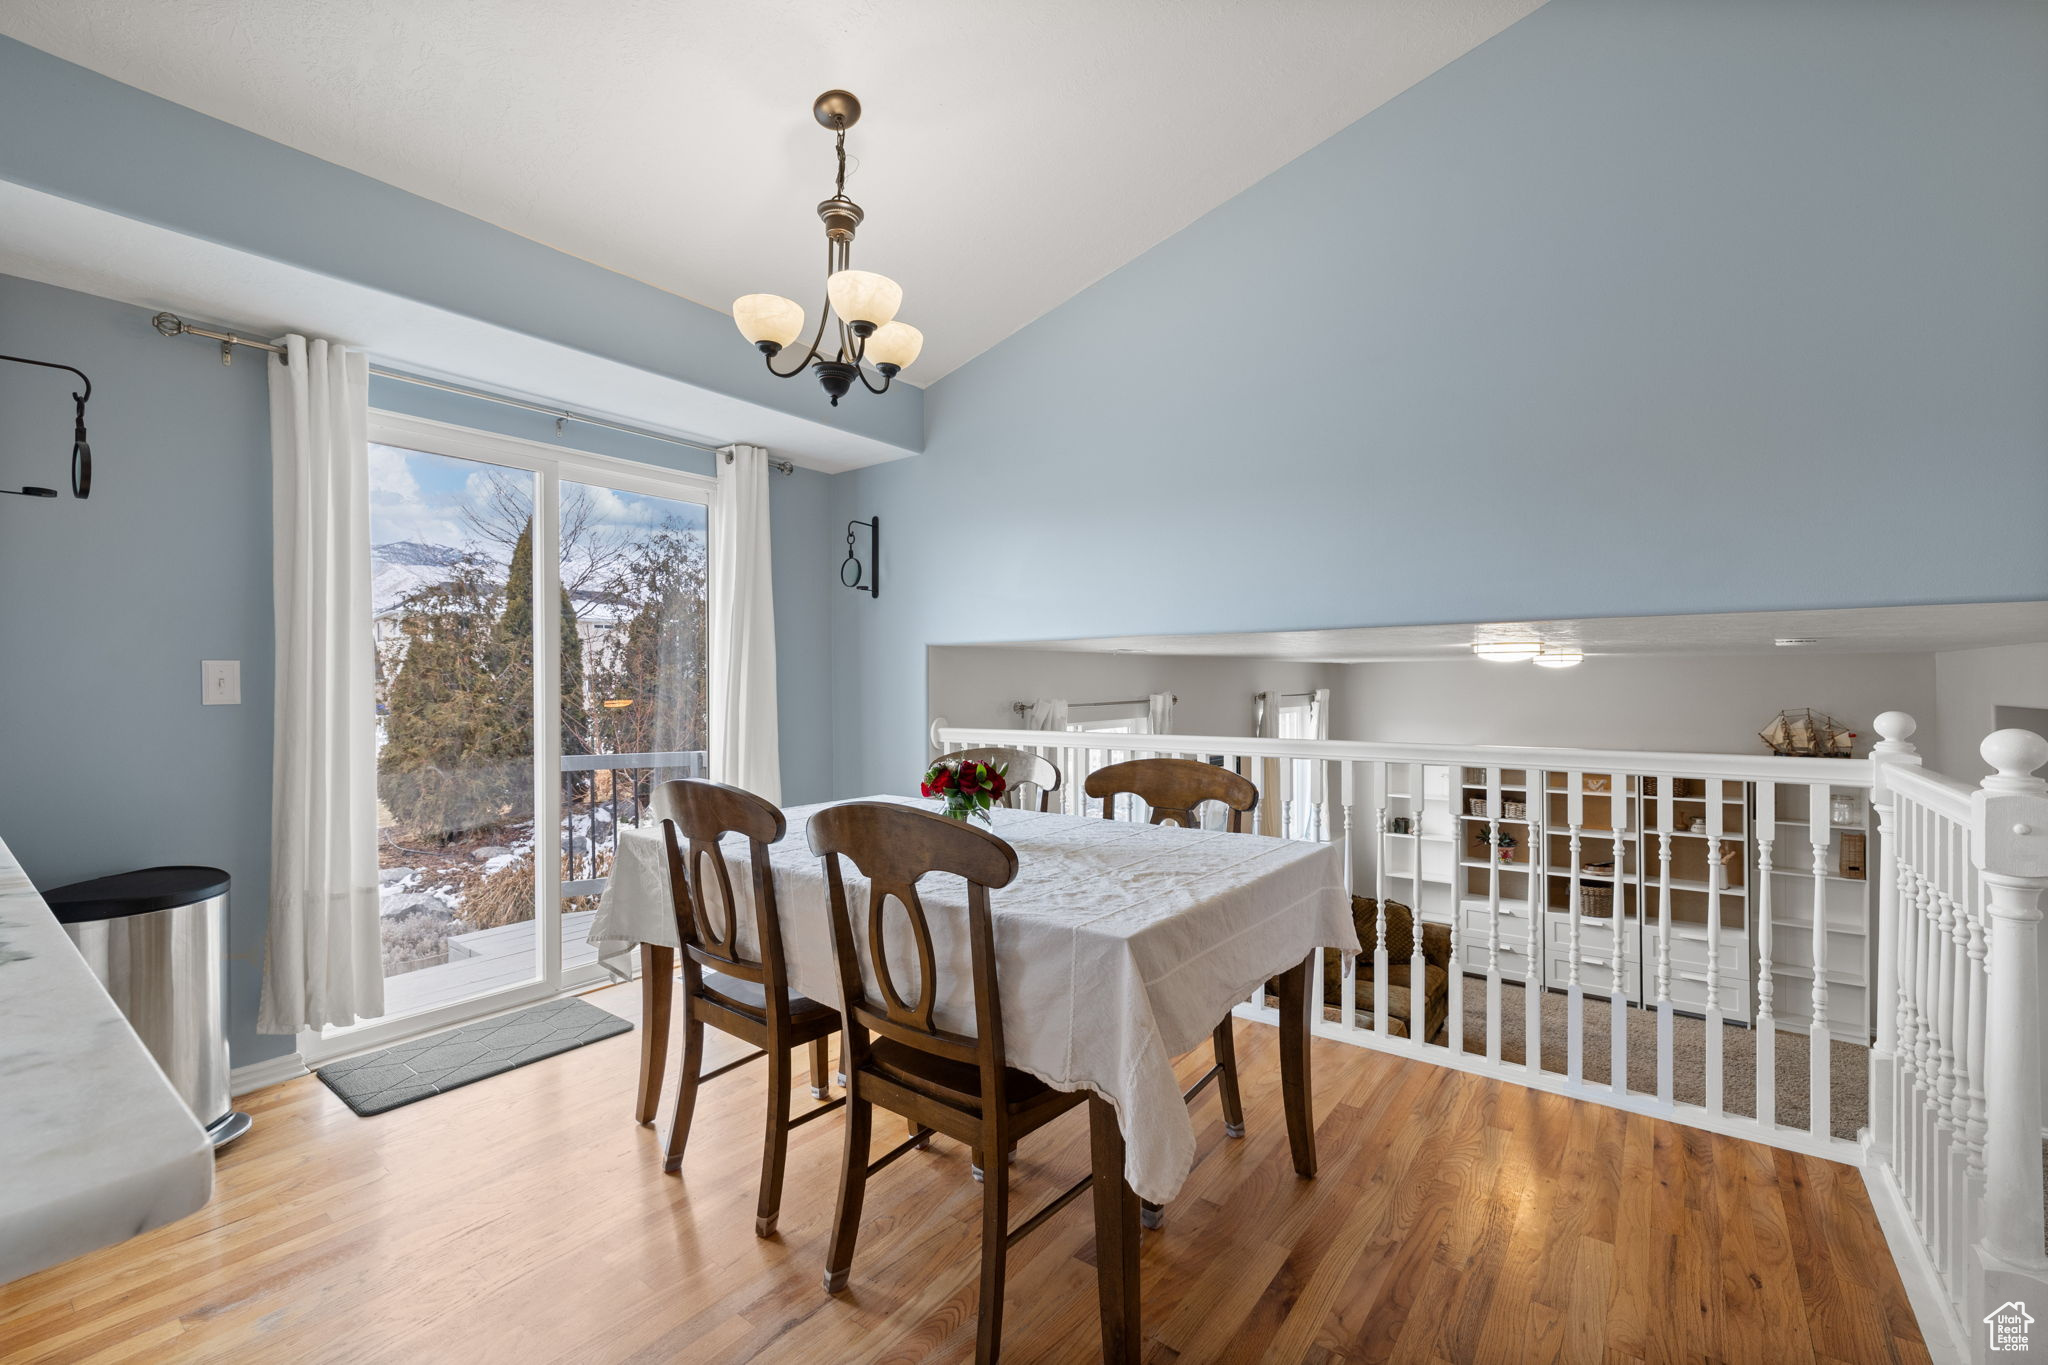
(968, 787)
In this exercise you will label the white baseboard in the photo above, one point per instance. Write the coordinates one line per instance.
(257, 1075)
(1941, 1327)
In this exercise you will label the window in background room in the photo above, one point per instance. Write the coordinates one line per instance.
(1302, 715)
(1120, 719)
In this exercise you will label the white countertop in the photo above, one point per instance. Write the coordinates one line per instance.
(95, 1145)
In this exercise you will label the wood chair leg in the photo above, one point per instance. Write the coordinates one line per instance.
(775, 1151)
(853, 1184)
(821, 1068)
(923, 1146)
(1225, 1040)
(995, 1246)
(657, 993)
(686, 1093)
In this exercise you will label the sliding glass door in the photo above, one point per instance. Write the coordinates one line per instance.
(634, 593)
(539, 619)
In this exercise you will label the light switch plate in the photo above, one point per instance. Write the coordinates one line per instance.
(221, 680)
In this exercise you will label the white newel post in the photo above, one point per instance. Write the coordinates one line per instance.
(1895, 730)
(2010, 849)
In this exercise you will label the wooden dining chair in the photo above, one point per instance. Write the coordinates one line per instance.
(896, 1056)
(747, 997)
(1023, 768)
(1175, 788)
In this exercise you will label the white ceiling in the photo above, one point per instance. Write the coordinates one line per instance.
(1010, 154)
(1857, 630)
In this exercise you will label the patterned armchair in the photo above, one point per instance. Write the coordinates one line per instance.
(1436, 970)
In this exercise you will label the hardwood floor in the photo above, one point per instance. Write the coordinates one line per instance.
(526, 1218)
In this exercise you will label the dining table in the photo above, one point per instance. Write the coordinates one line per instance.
(1119, 946)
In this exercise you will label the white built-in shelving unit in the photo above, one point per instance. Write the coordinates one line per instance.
(1597, 841)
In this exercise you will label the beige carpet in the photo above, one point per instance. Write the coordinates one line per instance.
(1848, 1074)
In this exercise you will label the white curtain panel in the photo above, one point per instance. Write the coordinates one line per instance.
(322, 964)
(744, 749)
(1159, 713)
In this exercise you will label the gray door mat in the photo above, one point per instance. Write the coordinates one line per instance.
(428, 1066)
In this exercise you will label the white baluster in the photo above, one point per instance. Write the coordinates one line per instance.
(1493, 915)
(1895, 729)
(1347, 776)
(1941, 1000)
(1818, 1070)
(1766, 984)
(1535, 803)
(1617, 938)
(1923, 1015)
(2011, 815)
(1975, 1124)
(1666, 1025)
(1379, 948)
(1714, 1033)
(1575, 1001)
(1454, 784)
(1418, 1026)
(1957, 1118)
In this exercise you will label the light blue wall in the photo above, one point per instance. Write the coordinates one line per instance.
(107, 759)
(1644, 306)
(80, 135)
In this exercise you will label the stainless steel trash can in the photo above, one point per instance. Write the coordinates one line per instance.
(156, 938)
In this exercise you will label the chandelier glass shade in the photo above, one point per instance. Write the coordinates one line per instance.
(859, 306)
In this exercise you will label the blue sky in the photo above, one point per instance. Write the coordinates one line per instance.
(419, 496)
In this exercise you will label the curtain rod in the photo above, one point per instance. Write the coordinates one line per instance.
(171, 325)
(1022, 706)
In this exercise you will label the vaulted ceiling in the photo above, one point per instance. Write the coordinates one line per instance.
(1010, 154)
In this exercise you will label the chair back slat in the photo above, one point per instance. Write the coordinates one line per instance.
(1174, 788)
(1022, 768)
(895, 847)
(696, 817)
(917, 1011)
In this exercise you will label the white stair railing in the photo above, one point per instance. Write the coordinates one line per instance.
(1956, 1091)
(1716, 896)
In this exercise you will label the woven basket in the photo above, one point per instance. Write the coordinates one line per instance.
(1514, 810)
(1596, 902)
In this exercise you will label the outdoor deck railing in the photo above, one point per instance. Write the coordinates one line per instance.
(603, 793)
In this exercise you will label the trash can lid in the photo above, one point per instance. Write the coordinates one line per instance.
(135, 893)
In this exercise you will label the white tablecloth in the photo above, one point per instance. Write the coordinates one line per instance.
(1119, 946)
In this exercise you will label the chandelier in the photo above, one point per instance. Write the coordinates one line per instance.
(865, 303)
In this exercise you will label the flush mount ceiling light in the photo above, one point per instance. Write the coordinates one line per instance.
(1559, 656)
(865, 303)
(1508, 651)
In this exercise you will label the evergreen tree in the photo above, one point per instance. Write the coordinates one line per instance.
(437, 772)
(512, 644)
(459, 737)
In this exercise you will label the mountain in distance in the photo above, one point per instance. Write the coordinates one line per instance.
(417, 552)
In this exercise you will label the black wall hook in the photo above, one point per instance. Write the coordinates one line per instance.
(873, 574)
(81, 449)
